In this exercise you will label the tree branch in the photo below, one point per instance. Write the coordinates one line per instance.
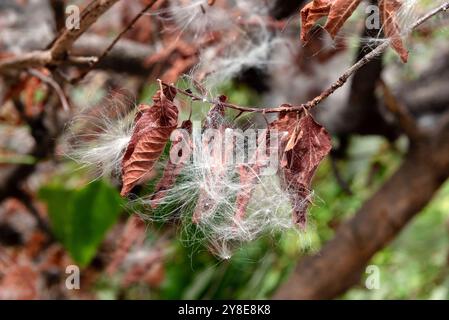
(362, 105)
(58, 51)
(126, 56)
(117, 38)
(332, 88)
(52, 83)
(89, 16)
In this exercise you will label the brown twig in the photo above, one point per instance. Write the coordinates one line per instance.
(57, 52)
(333, 87)
(52, 83)
(127, 56)
(284, 107)
(114, 42)
(89, 16)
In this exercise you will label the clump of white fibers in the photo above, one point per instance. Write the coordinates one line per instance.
(409, 13)
(204, 200)
(195, 17)
(198, 18)
(98, 136)
(238, 34)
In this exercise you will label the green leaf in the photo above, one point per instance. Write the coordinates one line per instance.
(58, 204)
(81, 218)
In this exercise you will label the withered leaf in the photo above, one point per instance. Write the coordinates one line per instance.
(311, 13)
(248, 175)
(153, 128)
(340, 11)
(337, 12)
(214, 120)
(389, 10)
(285, 126)
(247, 184)
(173, 168)
(215, 116)
(299, 164)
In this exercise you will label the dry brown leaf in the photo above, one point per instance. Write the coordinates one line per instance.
(214, 120)
(340, 11)
(337, 11)
(311, 13)
(172, 169)
(389, 10)
(249, 176)
(312, 144)
(215, 116)
(154, 126)
(286, 126)
(247, 183)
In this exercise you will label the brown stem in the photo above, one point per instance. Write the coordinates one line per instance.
(58, 50)
(114, 42)
(89, 16)
(52, 83)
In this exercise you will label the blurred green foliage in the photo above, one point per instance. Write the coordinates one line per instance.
(80, 218)
(415, 265)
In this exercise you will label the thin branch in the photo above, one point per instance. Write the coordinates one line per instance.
(52, 83)
(332, 88)
(76, 60)
(57, 53)
(114, 42)
(26, 60)
(127, 56)
(444, 7)
(284, 107)
(89, 16)
(40, 58)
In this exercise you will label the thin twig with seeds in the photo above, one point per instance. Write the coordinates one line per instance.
(332, 88)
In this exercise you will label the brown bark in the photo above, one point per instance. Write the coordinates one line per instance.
(89, 16)
(59, 48)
